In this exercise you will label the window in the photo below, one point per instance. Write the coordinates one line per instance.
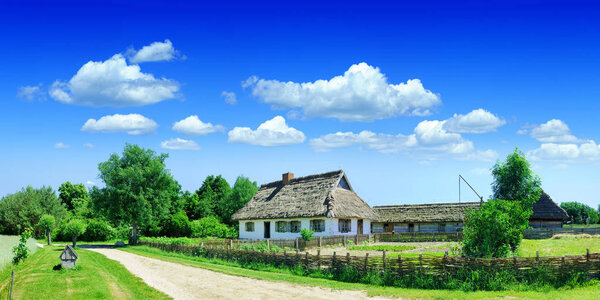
(281, 226)
(317, 225)
(441, 227)
(344, 225)
(295, 226)
(250, 227)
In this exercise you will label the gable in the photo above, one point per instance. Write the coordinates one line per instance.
(344, 184)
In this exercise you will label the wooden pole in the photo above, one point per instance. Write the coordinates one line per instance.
(12, 282)
(399, 264)
(320, 241)
(384, 260)
(366, 261)
(345, 240)
(348, 258)
(537, 256)
(319, 259)
(296, 244)
(333, 261)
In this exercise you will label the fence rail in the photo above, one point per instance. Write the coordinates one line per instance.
(428, 264)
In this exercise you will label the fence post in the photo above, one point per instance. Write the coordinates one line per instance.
(383, 260)
(433, 234)
(420, 262)
(268, 246)
(320, 241)
(345, 237)
(537, 256)
(515, 263)
(306, 258)
(333, 261)
(399, 264)
(366, 261)
(319, 259)
(296, 244)
(348, 258)
(587, 255)
(398, 237)
(230, 244)
(356, 239)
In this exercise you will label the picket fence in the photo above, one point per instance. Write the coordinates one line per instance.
(423, 263)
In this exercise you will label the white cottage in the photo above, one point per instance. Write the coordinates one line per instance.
(325, 203)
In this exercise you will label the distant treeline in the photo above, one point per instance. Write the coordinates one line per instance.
(580, 213)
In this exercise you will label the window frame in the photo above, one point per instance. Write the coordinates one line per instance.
(317, 225)
(345, 225)
(250, 224)
(293, 228)
(279, 228)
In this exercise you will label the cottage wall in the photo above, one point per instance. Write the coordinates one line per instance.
(378, 227)
(331, 228)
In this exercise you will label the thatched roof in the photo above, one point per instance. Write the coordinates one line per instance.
(547, 209)
(424, 213)
(319, 195)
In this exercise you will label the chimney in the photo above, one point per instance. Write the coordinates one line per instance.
(286, 177)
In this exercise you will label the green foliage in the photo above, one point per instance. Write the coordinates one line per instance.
(170, 241)
(212, 200)
(495, 229)
(307, 234)
(75, 197)
(122, 233)
(98, 230)
(580, 213)
(46, 224)
(139, 188)
(211, 227)
(21, 251)
(25, 208)
(399, 248)
(262, 246)
(177, 225)
(514, 180)
(74, 229)
(243, 190)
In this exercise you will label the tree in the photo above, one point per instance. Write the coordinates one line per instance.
(211, 200)
(580, 213)
(210, 226)
(138, 190)
(74, 229)
(495, 229)
(24, 209)
(74, 196)
(47, 223)
(514, 180)
(243, 190)
(177, 225)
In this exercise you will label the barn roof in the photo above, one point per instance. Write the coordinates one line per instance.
(68, 253)
(424, 213)
(319, 195)
(546, 209)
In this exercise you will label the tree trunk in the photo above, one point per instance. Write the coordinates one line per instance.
(49, 238)
(134, 235)
(74, 242)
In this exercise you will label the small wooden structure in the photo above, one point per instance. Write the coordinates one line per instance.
(68, 258)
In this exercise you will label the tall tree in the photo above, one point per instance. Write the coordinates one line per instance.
(243, 190)
(212, 195)
(138, 190)
(47, 223)
(24, 209)
(73, 195)
(515, 181)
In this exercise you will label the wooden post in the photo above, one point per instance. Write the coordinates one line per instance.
(384, 260)
(345, 240)
(356, 239)
(348, 258)
(268, 246)
(399, 264)
(420, 261)
(398, 236)
(230, 244)
(433, 233)
(366, 262)
(296, 244)
(587, 255)
(333, 261)
(515, 262)
(319, 259)
(320, 241)
(537, 256)
(12, 282)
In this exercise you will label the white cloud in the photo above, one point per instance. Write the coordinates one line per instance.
(229, 97)
(192, 125)
(553, 131)
(133, 124)
(61, 145)
(274, 132)
(522, 131)
(361, 94)
(477, 121)
(157, 51)
(179, 144)
(113, 83)
(89, 145)
(31, 93)
(89, 182)
(585, 152)
(429, 140)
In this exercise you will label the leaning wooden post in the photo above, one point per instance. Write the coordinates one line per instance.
(366, 262)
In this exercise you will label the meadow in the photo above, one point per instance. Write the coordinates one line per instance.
(7, 242)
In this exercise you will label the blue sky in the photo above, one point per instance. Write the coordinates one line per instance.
(403, 98)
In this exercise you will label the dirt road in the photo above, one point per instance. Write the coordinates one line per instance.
(184, 282)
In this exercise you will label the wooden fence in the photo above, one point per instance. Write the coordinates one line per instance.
(423, 263)
(546, 233)
(297, 243)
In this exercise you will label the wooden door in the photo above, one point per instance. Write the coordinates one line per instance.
(267, 230)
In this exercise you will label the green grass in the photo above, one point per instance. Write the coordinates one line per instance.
(96, 277)
(391, 248)
(274, 274)
(7, 242)
(562, 246)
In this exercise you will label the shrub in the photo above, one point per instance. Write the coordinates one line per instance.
(306, 234)
(210, 226)
(177, 225)
(46, 224)
(122, 233)
(98, 230)
(74, 229)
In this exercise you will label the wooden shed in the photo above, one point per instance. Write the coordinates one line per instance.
(68, 258)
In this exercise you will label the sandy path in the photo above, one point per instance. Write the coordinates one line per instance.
(185, 282)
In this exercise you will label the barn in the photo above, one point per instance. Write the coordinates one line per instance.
(325, 203)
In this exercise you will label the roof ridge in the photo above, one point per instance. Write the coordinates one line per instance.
(425, 204)
(307, 177)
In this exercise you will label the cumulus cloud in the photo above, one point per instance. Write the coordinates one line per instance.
(133, 124)
(89, 145)
(157, 51)
(274, 132)
(113, 83)
(61, 145)
(553, 131)
(229, 97)
(192, 125)
(477, 121)
(31, 93)
(89, 182)
(429, 140)
(362, 93)
(585, 152)
(179, 144)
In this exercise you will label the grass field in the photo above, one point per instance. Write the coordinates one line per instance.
(591, 292)
(7, 242)
(562, 246)
(97, 277)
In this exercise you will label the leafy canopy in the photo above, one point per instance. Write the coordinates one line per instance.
(580, 213)
(515, 181)
(25, 208)
(74, 196)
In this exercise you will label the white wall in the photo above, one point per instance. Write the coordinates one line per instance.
(331, 228)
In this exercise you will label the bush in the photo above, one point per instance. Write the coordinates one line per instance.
(98, 230)
(210, 226)
(177, 225)
(122, 233)
(74, 229)
(306, 234)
